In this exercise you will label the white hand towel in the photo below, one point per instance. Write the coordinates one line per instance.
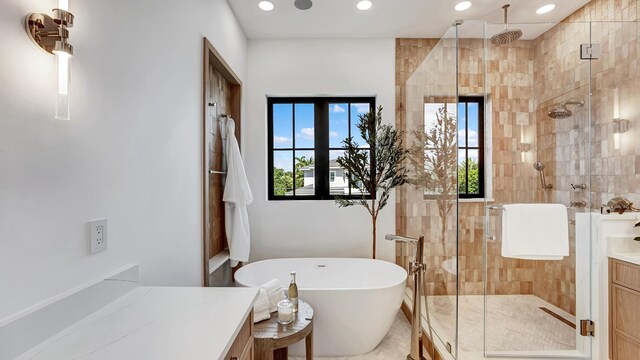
(237, 195)
(261, 307)
(274, 292)
(535, 231)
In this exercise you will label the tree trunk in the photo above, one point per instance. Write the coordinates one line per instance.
(374, 221)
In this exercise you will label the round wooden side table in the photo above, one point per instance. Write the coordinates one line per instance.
(271, 339)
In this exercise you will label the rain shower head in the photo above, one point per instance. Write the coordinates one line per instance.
(506, 36)
(561, 111)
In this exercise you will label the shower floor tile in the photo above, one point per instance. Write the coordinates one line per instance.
(514, 323)
(396, 345)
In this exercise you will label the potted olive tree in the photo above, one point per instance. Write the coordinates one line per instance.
(373, 175)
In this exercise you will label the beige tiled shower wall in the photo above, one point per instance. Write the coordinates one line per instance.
(524, 79)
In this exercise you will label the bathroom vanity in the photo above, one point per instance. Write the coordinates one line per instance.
(160, 323)
(624, 292)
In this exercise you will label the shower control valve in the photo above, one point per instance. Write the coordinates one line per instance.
(579, 187)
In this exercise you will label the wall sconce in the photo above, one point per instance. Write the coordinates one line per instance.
(524, 148)
(620, 126)
(51, 34)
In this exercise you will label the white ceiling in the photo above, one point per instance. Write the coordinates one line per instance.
(392, 18)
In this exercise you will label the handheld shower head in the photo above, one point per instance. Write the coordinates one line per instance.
(539, 166)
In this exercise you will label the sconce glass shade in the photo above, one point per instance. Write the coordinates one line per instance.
(63, 5)
(62, 106)
(51, 34)
(616, 141)
(620, 126)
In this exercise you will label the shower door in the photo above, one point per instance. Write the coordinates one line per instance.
(538, 117)
(428, 112)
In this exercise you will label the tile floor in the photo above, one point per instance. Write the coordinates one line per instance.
(514, 323)
(394, 346)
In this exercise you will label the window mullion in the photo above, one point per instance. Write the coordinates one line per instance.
(293, 140)
(321, 148)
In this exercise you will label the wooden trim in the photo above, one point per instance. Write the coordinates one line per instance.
(221, 65)
(611, 332)
(557, 316)
(212, 58)
(242, 345)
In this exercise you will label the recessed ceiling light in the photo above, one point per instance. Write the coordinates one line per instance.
(266, 5)
(462, 6)
(545, 9)
(364, 5)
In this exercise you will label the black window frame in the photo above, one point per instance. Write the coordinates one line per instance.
(321, 147)
(480, 148)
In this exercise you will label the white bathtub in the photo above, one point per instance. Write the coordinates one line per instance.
(355, 301)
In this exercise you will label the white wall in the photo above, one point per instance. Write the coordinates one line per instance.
(131, 153)
(313, 67)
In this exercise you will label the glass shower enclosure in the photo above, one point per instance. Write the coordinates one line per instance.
(532, 121)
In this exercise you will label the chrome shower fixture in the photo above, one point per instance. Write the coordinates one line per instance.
(417, 270)
(303, 4)
(562, 112)
(506, 36)
(539, 166)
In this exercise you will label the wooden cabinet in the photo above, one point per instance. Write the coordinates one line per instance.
(242, 347)
(624, 317)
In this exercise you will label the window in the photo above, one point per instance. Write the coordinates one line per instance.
(440, 147)
(305, 139)
(470, 147)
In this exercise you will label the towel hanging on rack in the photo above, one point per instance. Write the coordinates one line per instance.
(237, 195)
(535, 231)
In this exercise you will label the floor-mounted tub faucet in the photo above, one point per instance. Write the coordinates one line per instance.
(417, 269)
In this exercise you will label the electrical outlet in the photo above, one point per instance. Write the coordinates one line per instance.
(98, 237)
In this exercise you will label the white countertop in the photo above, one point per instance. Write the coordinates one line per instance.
(633, 258)
(155, 323)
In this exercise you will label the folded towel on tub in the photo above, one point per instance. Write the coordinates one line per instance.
(275, 293)
(261, 307)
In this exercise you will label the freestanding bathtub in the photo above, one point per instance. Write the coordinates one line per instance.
(355, 301)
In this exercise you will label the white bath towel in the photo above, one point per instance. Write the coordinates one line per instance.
(535, 231)
(274, 292)
(261, 307)
(237, 195)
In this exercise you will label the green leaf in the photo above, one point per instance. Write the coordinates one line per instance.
(637, 238)
(637, 225)
(375, 174)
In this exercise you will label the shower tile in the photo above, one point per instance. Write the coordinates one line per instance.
(523, 80)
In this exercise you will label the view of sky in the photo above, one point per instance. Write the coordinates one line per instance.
(285, 131)
(430, 111)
